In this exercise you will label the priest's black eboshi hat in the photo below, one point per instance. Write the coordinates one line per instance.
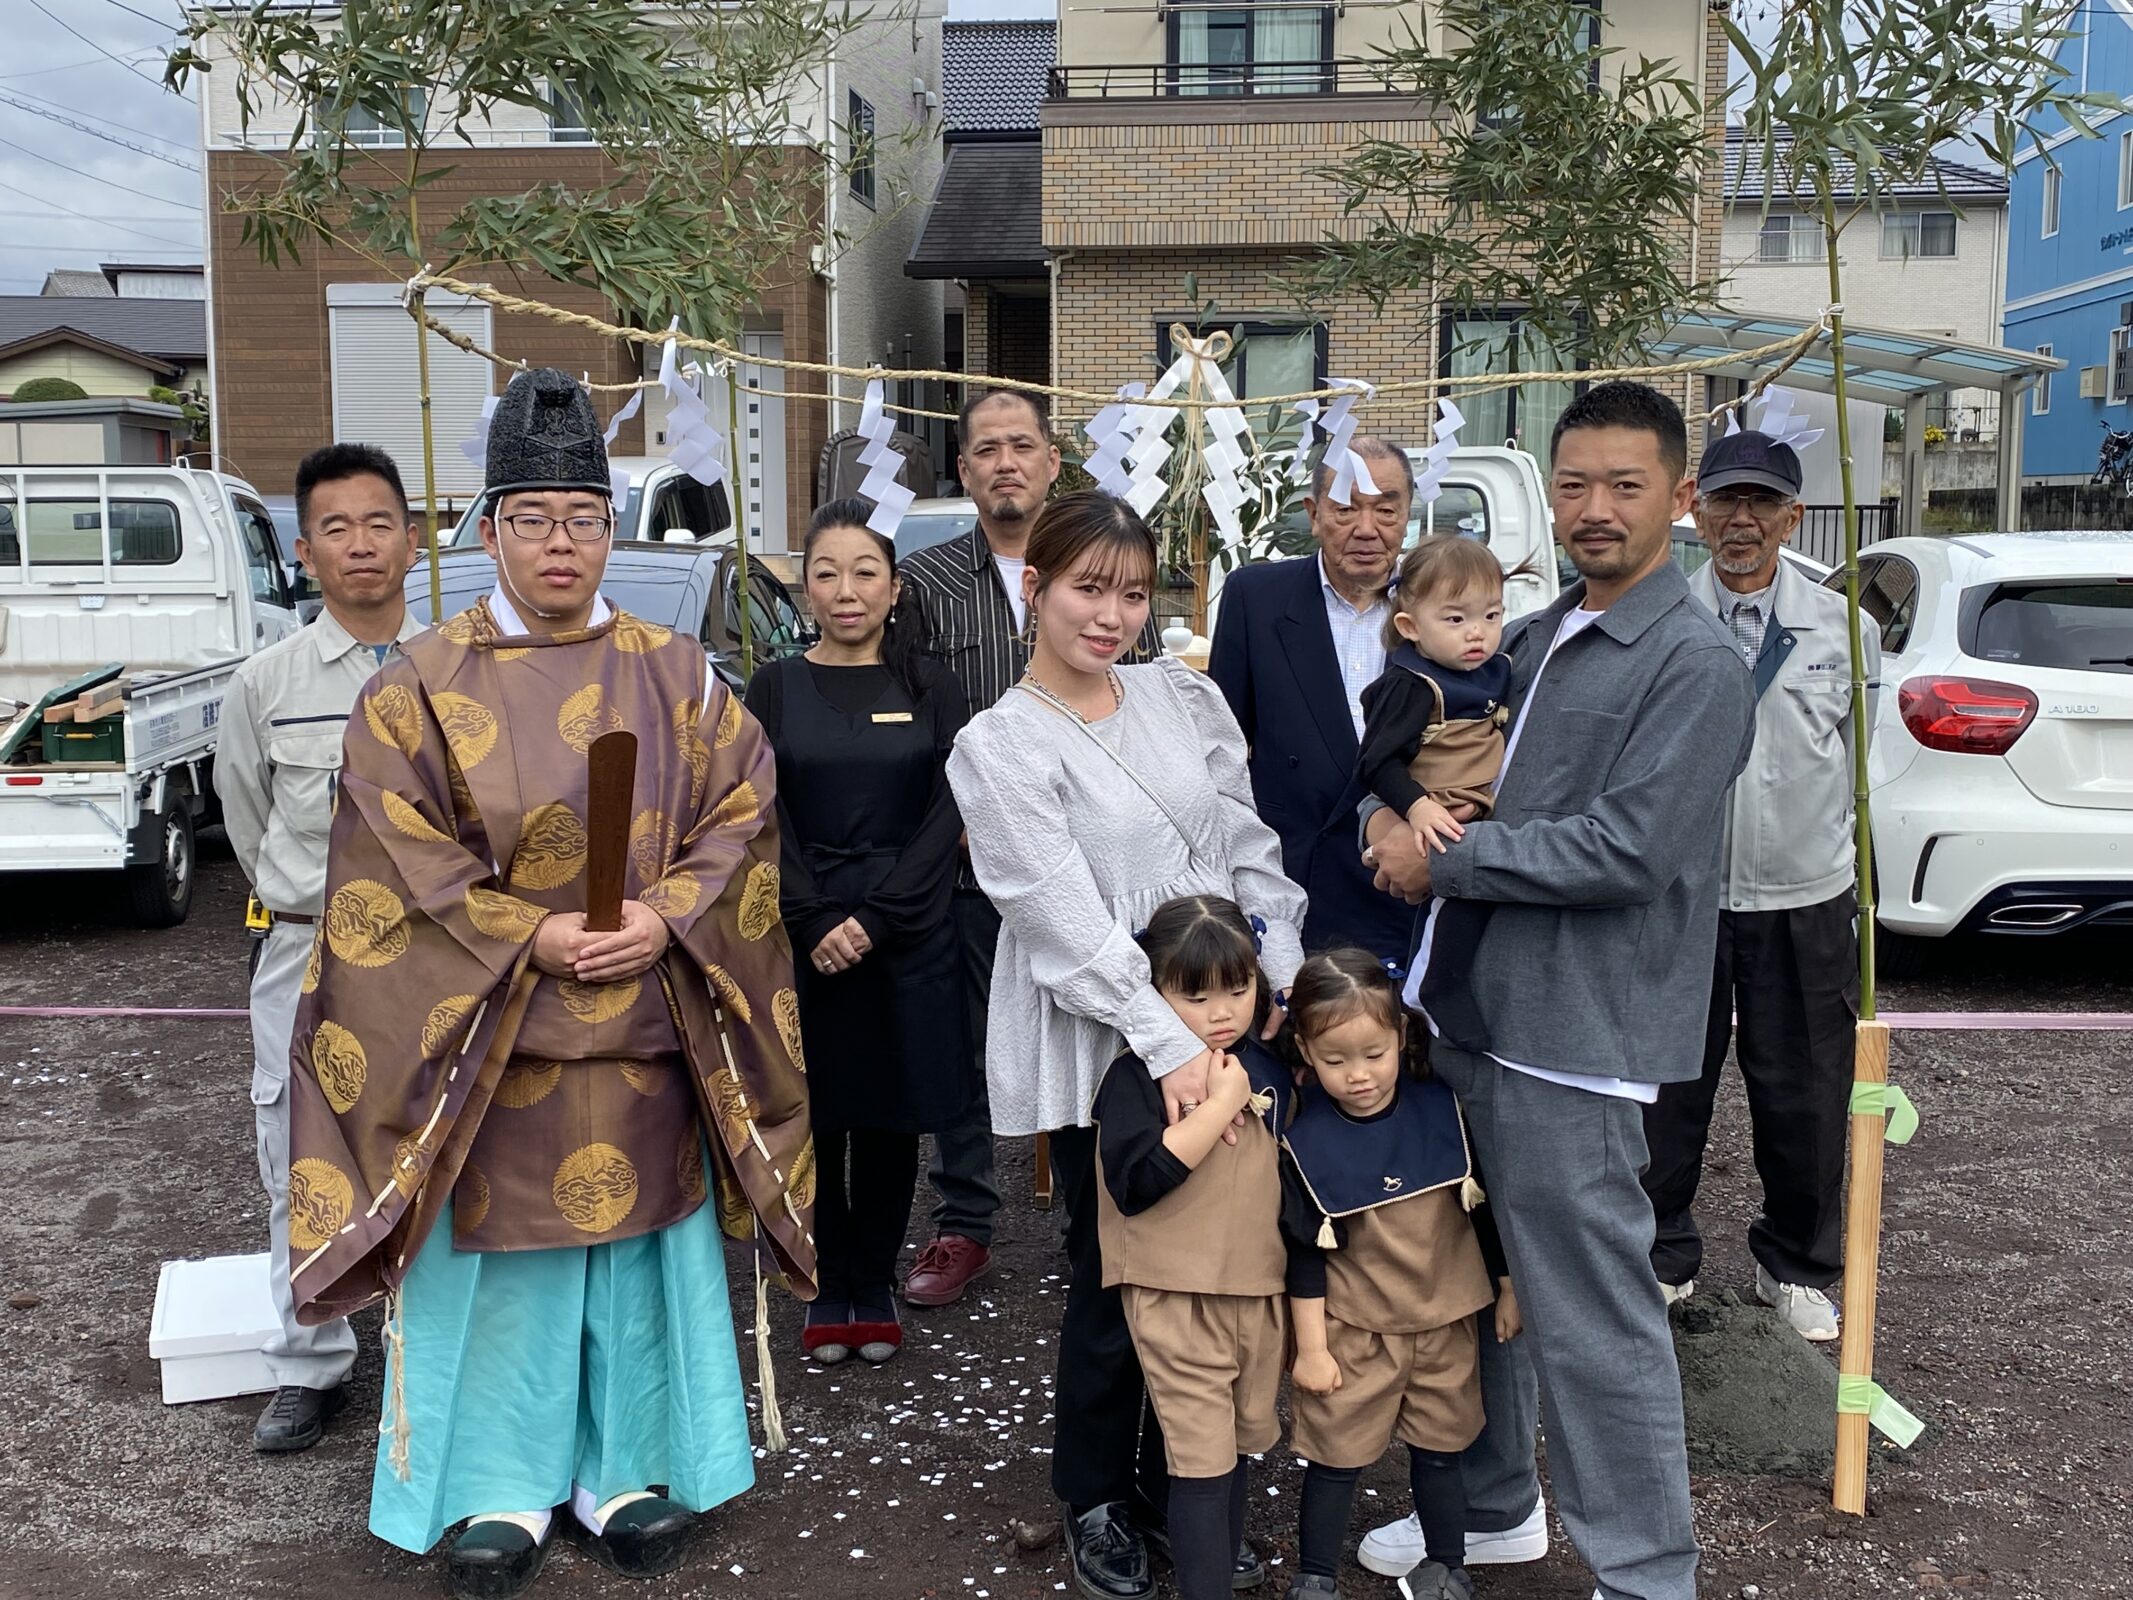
(544, 435)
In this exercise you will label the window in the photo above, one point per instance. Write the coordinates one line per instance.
(2125, 170)
(1905, 234)
(70, 533)
(859, 129)
(371, 348)
(2040, 397)
(363, 126)
(1266, 358)
(1472, 346)
(1888, 592)
(2120, 377)
(683, 503)
(1788, 238)
(1247, 51)
(569, 119)
(2072, 627)
(2051, 201)
(262, 553)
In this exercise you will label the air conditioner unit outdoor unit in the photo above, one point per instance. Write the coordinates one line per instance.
(2095, 383)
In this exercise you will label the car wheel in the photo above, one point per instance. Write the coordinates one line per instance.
(1902, 956)
(161, 891)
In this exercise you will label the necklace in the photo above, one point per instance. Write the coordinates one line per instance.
(1118, 695)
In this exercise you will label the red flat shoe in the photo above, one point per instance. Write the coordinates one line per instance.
(827, 1336)
(876, 1333)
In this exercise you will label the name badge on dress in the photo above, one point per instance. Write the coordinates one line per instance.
(892, 716)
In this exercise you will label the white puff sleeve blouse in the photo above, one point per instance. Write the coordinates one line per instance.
(1076, 856)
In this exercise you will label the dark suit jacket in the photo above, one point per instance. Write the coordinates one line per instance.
(1273, 659)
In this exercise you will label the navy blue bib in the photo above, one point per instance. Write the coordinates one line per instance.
(1470, 694)
(1269, 1076)
(1351, 1166)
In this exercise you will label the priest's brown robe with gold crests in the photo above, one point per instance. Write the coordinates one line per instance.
(431, 1060)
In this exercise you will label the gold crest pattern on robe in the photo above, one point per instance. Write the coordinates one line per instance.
(430, 1059)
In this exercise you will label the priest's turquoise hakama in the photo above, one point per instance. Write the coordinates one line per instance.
(527, 1373)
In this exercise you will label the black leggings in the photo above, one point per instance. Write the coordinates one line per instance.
(864, 1180)
(1329, 1499)
(1206, 1526)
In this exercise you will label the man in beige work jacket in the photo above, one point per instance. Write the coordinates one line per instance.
(276, 769)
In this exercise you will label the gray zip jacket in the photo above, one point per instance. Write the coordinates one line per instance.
(1789, 825)
(1602, 858)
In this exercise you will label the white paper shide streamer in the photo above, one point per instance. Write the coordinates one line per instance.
(1774, 415)
(1350, 473)
(1429, 482)
(1227, 454)
(1111, 435)
(618, 478)
(693, 443)
(476, 449)
(881, 485)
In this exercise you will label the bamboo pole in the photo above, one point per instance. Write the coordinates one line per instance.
(1862, 1265)
(738, 499)
(1870, 1054)
(429, 459)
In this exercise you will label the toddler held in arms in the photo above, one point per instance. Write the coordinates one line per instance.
(1433, 739)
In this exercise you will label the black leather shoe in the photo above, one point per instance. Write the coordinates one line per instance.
(1249, 1572)
(1110, 1559)
(641, 1540)
(296, 1418)
(494, 1560)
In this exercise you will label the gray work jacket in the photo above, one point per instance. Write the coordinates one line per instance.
(1789, 825)
(1602, 856)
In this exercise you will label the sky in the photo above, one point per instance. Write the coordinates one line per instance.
(76, 198)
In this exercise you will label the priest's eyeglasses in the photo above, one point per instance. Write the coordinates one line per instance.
(534, 528)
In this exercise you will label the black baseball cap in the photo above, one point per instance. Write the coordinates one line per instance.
(1751, 460)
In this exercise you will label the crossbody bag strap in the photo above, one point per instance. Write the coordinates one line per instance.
(1119, 762)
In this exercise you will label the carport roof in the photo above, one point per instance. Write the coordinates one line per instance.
(1882, 365)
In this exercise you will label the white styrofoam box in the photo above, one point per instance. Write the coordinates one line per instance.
(212, 1319)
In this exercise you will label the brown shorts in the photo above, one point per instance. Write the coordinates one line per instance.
(1212, 1363)
(1423, 1387)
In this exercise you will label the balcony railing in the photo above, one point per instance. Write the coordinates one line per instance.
(1211, 79)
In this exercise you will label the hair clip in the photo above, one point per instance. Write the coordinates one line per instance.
(1258, 935)
(1139, 934)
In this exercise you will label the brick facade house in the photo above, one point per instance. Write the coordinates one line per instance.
(1182, 141)
(319, 350)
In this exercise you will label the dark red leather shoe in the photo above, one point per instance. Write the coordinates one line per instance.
(944, 1269)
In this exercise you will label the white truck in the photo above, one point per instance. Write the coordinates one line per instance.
(128, 595)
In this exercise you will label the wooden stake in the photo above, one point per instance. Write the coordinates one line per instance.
(1862, 1263)
(1041, 1180)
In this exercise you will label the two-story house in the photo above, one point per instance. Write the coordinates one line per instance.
(1927, 263)
(1182, 139)
(321, 349)
(2070, 257)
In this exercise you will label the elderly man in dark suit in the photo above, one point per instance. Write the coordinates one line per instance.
(1296, 643)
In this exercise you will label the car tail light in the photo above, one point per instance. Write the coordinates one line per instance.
(1971, 716)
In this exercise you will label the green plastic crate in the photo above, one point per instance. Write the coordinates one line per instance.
(86, 741)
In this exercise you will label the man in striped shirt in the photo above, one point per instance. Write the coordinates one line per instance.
(965, 597)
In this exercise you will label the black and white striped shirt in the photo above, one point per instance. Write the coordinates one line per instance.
(966, 623)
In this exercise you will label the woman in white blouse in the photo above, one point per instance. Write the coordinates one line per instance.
(1092, 794)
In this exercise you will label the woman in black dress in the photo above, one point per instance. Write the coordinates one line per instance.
(862, 726)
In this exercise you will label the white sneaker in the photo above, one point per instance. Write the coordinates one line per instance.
(1808, 1311)
(1396, 1548)
(1675, 1293)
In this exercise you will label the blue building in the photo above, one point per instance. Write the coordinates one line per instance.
(2070, 258)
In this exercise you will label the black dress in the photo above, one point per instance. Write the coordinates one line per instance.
(870, 831)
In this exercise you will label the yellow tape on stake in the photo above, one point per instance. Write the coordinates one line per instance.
(1886, 1099)
(1865, 1397)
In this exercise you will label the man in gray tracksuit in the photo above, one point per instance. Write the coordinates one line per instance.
(275, 771)
(1787, 961)
(1564, 969)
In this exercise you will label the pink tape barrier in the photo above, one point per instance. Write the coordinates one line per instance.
(1903, 1021)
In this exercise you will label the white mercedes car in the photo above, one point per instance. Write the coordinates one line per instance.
(2002, 757)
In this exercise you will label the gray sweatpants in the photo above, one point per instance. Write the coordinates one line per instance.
(320, 1357)
(1562, 1168)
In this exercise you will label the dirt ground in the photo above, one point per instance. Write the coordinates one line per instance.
(2007, 1277)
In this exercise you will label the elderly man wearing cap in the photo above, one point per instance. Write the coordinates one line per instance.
(526, 1134)
(1787, 962)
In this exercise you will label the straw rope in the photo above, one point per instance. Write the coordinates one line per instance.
(1423, 391)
